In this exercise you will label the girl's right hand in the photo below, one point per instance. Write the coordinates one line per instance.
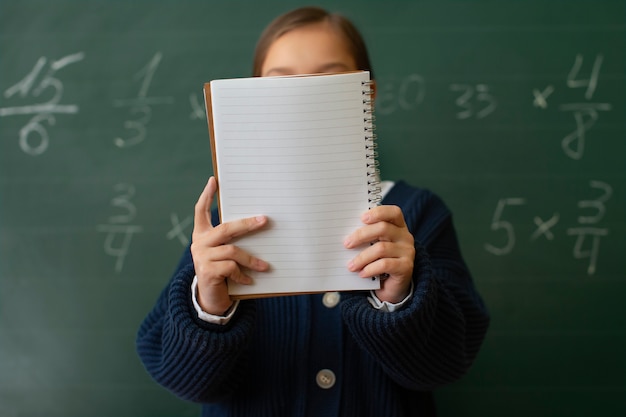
(215, 259)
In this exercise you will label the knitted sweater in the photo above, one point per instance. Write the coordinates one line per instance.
(265, 361)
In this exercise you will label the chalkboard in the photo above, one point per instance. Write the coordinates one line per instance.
(513, 112)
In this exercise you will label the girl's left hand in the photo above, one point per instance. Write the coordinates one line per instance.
(392, 252)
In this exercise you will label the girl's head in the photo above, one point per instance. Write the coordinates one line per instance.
(310, 40)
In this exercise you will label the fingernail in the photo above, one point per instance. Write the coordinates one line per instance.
(260, 219)
(351, 265)
(347, 242)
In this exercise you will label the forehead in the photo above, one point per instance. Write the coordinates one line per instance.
(317, 42)
(322, 29)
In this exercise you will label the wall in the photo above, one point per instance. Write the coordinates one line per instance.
(512, 111)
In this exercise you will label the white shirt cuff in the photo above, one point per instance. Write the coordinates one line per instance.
(203, 315)
(386, 306)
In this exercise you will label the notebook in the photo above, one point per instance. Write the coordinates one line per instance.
(301, 151)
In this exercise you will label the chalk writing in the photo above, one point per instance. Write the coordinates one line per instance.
(497, 223)
(544, 227)
(119, 231)
(585, 113)
(588, 232)
(404, 95)
(408, 93)
(197, 109)
(178, 229)
(33, 137)
(541, 97)
(597, 209)
(590, 83)
(475, 101)
(140, 106)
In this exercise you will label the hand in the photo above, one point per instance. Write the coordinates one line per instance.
(392, 253)
(215, 259)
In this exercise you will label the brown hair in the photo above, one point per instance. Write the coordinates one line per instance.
(306, 16)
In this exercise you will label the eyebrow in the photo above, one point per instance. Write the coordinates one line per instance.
(278, 71)
(322, 69)
(328, 66)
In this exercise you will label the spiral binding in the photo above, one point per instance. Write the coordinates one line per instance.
(371, 146)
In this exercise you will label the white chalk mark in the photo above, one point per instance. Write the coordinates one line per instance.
(581, 233)
(179, 228)
(67, 60)
(598, 204)
(498, 224)
(149, 71)
(39, 108)
(541, 97)
(119, 252)
(544, 228)
(35, 126)
(592, 82)
(586, 106)
(24, 86)
(574, 144)
(197, 110)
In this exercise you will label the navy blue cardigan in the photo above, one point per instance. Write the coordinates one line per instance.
(265, 360)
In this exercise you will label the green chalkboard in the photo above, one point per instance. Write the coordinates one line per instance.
(514, 112)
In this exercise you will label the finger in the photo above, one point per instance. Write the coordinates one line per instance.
(380, 250)
(225, 232)
(202, 210)
(389, 214)
(240, 277)
(240, 256)
(370, 233)
(383, 250)
(390, 267)
(230, 270)
(378, 268)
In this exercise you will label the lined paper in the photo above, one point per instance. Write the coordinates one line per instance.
(293, 149)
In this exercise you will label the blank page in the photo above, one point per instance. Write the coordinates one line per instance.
(294, 149)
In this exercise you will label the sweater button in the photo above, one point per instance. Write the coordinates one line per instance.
(325, 378)
(331, 299)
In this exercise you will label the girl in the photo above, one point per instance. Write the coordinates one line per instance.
(378, 353)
